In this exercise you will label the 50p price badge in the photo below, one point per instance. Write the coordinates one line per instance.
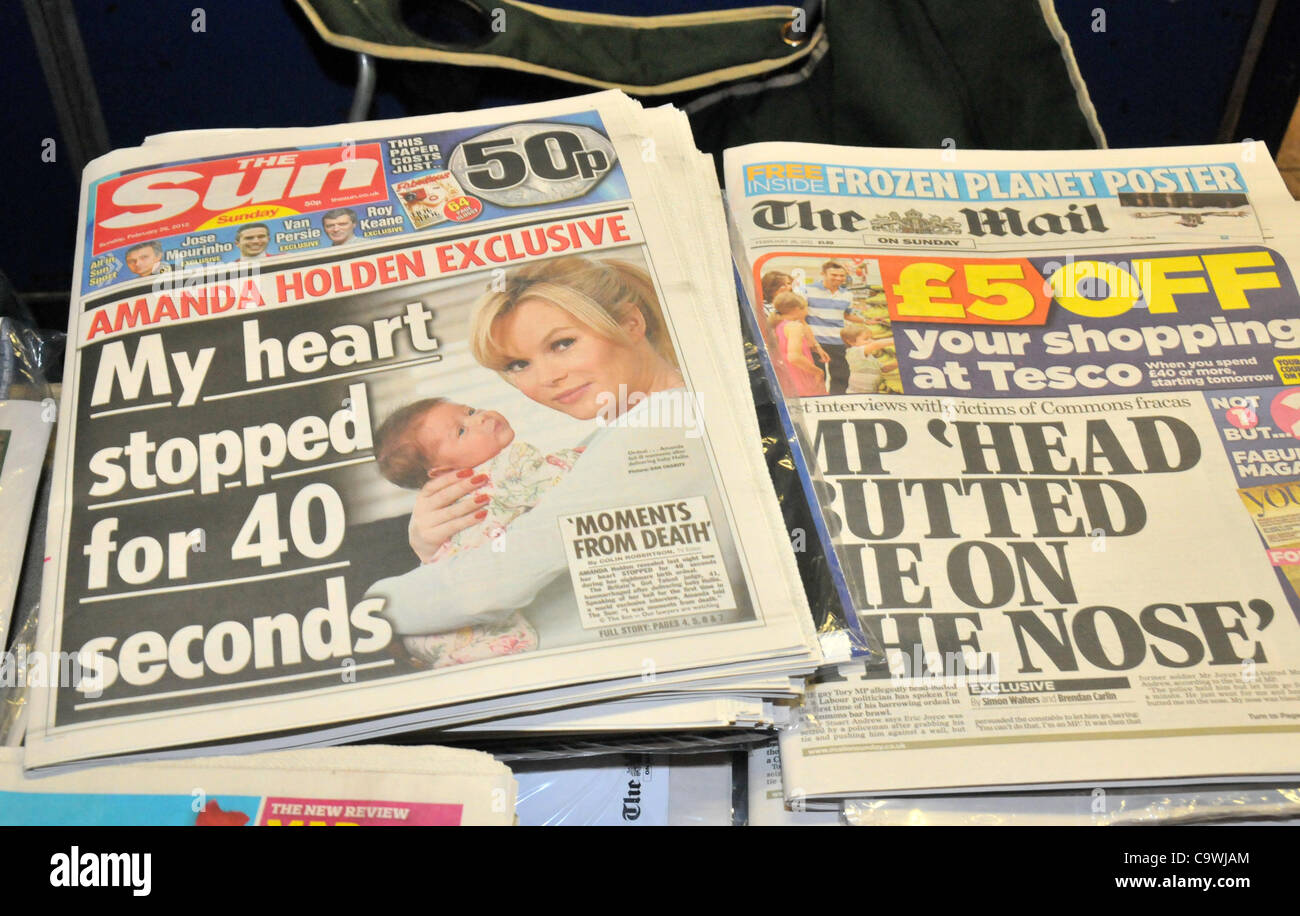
(527, 165)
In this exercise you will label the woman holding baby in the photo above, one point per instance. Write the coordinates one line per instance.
(581, 336)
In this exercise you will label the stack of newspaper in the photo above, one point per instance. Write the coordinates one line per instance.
(408, 425)
(1047, 405)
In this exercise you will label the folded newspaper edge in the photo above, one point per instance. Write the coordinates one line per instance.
(373, 785)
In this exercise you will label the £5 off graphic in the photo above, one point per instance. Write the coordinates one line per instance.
(1018, 291)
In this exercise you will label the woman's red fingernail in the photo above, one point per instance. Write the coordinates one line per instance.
(481, 478)
(465, 472)
(481, 514)
(482, 498)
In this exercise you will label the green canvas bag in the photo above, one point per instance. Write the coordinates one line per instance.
(923, 73)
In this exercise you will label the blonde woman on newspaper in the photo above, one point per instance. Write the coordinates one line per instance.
(587, 338)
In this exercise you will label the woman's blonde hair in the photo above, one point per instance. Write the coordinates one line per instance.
(596, 292)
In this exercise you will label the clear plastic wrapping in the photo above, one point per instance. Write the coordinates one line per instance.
(827, 597)
(627, 790)
(27, 414)
(1098, 807)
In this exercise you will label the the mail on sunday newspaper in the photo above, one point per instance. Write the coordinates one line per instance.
(1049, 406)
(416, 422)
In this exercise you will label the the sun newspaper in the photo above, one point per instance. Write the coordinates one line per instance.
(1050, 403)
(400, 420)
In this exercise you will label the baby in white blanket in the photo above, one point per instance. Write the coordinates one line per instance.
(436, 436)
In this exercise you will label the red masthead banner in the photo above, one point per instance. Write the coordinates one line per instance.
(223, 192)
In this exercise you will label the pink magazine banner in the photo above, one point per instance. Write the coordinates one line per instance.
(290, 812)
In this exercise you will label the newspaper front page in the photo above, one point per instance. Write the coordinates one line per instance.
(284, 341)
(1049, 407)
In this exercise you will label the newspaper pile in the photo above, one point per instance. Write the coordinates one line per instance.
(1047, 406)
(428, 423)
